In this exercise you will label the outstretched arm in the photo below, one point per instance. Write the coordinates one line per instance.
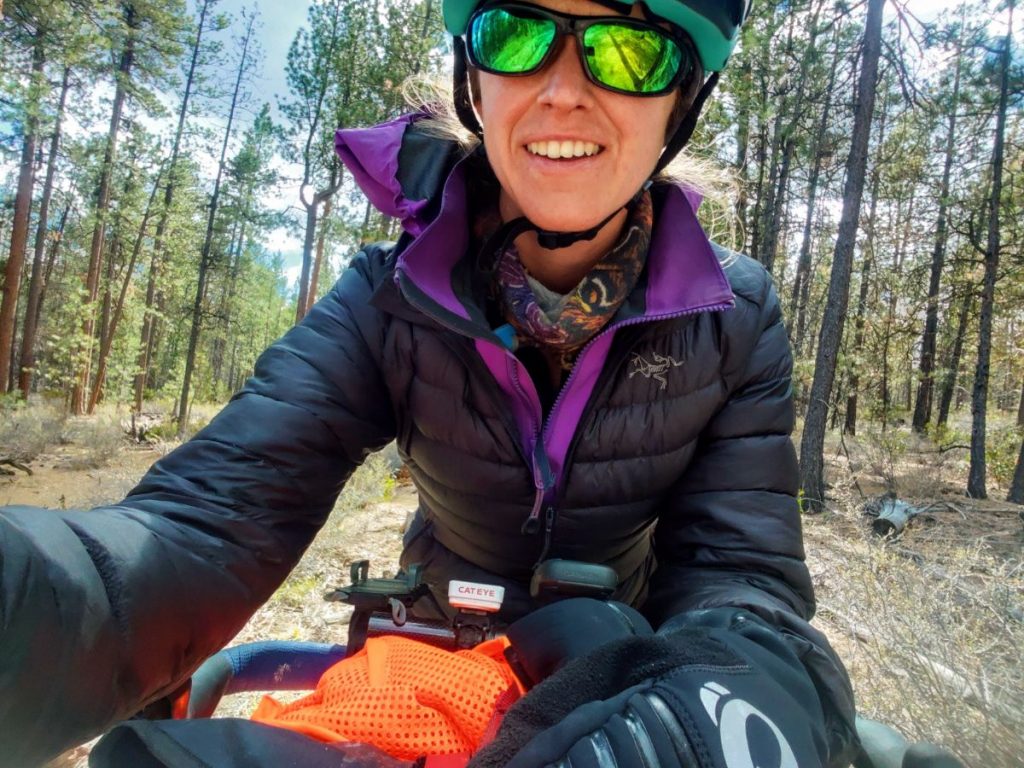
(730, 535)
(102, 611)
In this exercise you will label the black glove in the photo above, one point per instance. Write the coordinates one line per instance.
(726, 693)
(546, 640)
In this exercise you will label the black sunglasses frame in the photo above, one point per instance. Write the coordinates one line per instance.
(570, 24)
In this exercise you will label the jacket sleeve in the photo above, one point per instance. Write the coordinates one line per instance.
(102, 611)
(730, 533)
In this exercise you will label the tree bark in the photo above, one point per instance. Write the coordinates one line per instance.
(19, 229)
(204, 258)
(976, 476)
(813, 440)
(926, 372)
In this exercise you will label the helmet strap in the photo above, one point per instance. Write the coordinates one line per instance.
(551, 241)
(686, 128)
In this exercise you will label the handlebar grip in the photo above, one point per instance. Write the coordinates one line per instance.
(266, 666)
(930, 756)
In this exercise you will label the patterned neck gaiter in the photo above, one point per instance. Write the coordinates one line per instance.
(560, 326)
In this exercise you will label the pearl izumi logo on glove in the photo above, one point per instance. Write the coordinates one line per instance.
(732, 716)
(655, 368)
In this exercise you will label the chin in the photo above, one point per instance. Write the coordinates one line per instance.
(556, 217)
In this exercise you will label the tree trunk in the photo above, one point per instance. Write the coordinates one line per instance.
(306, 294)
(307, 258)
(149, 318)
(761, 157)
(952, 363)
(148, 322)
(802, 283)
(314, 280)
(813, 440)
(204, 258)
(926, 374)
(787, 135)
(1020, 408)
(35, 286)
(92, 281)
(19, 229)
(976, 476)
(853, 388)
(743, 144)
(890, 314)
(118, 308)
(1017, 486)
(850, 424)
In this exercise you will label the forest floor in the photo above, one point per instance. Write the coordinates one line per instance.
(930, 624)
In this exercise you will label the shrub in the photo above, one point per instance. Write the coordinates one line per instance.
(98, 439)
(1002, 447)
(27, 431)
(374, 481)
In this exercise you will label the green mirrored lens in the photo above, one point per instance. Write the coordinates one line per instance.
(631, 59)
(504, 42)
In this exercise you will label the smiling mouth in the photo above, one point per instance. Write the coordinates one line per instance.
(567, 150)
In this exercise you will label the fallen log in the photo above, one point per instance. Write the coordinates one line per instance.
(9, 462)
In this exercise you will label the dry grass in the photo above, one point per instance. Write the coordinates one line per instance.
(930, 625)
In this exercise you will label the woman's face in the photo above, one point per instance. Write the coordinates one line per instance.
(526, 118)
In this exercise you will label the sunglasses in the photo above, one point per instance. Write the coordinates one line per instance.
(621, 54)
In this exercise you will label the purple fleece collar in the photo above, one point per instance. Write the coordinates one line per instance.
(371, 156)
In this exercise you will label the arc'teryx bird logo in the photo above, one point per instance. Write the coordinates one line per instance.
(654, 370)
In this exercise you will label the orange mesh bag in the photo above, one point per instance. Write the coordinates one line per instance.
(405, 697)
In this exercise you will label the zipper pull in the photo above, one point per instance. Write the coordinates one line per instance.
(543, 483)
(532, 523)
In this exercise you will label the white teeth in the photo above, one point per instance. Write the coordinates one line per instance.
(559, 149)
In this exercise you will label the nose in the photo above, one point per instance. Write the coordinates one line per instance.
(565, 83)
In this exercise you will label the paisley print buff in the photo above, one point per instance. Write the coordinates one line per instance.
(589, 307)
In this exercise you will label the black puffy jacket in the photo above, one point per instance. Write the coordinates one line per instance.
(667, 456)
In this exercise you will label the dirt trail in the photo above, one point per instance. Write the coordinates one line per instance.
(52, 484)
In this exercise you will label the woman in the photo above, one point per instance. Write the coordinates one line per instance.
(571, 370)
